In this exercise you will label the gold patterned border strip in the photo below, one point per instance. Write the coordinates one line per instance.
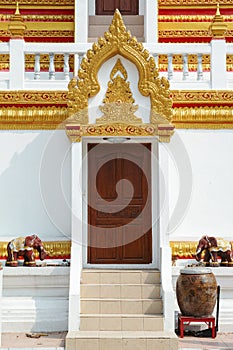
(61, 97)
(206, 97)
(56, 249)
(33, 97)
(47, 110)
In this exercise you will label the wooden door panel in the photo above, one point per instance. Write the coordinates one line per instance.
(118, 223)
(107, 238)
(108, 7)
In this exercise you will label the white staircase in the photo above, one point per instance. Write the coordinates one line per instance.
(121, 309)
(100, 24)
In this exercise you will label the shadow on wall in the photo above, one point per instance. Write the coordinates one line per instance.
(35, 185)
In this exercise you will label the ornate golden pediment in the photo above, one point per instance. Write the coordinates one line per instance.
(118, 111)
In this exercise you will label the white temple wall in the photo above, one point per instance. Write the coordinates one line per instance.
(200, 184)
(35, 184)
(35, 174)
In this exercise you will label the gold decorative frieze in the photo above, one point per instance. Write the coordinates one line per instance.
(34, 97)
(203, 109)
(209, 97)
(172, 33)
(55, 249)
(212, 109)
(30, 110)
(76, 132)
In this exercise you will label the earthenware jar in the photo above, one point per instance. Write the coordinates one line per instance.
(196, 291)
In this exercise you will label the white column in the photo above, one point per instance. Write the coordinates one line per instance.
(151, 21)
(163, 194)
(1, 276)
(81, 21)
(76, 248)
(218, 64)
(17, 65)
(165, 251)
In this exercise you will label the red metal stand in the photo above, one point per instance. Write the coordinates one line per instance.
(182, 320)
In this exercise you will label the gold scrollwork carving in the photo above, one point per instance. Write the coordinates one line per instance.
(75, 132)
(118, 102)
(35, 97)
(118, 41)
(210, 97)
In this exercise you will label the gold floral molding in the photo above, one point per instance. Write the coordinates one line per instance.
(118, 41)
(203, 109)
(202, 97)
(41, 110)
(32, 110)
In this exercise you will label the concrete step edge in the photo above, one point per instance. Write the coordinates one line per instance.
(122, 334)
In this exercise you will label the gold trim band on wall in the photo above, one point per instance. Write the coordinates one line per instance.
(47, 110)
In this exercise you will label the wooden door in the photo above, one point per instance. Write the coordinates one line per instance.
(108, 7)
(119, 204)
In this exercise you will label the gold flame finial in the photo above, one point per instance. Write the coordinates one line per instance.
(17, 9)
(17, 26)
(218, 27)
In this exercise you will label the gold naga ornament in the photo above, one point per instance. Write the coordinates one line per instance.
(118, 109)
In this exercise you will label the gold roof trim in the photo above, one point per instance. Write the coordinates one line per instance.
(118, 41)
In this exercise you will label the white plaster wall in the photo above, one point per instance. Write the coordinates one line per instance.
(200, 184)
(39, 303)
(35, 184)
